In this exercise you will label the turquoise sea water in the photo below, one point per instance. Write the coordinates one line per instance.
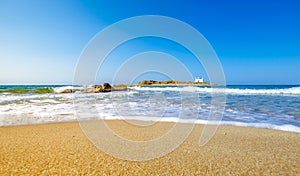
(272, 106)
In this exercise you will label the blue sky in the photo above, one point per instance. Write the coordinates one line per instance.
(257, 42)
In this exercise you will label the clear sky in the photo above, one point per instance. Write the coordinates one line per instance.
(257, 41)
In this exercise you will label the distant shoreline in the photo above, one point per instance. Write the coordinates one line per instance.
(153, 83)
(172, 85)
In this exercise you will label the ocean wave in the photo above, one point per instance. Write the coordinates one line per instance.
(43, 90)
(253, 111)
(39, 90)
(283, 91)
(65, 88)
(62, 89)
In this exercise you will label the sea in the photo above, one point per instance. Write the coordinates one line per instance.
(261, 106)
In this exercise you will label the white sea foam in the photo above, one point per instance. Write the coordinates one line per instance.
(69, 115)
(64, 88)
(290, 128)
(285, 91)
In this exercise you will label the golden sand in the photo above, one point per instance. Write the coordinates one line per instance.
(63, 149)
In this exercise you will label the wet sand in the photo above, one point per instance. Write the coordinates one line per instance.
(62, 148)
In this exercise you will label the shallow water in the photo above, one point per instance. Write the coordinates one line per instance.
(276, 107)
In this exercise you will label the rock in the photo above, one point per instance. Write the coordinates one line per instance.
(67, 91)
(97, 88)
(119, 88)
(88, 90)
(106, 87)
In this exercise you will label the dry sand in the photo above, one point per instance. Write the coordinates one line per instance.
(63, 149)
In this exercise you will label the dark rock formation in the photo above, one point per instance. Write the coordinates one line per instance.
(97, 88)
(106, 87)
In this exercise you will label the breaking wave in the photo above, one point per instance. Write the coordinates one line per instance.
(247, 91)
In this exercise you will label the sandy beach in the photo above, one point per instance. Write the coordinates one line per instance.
(62, 148)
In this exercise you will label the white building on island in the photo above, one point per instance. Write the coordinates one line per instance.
(199, 80)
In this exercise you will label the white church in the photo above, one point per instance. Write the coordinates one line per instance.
(199, 80)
